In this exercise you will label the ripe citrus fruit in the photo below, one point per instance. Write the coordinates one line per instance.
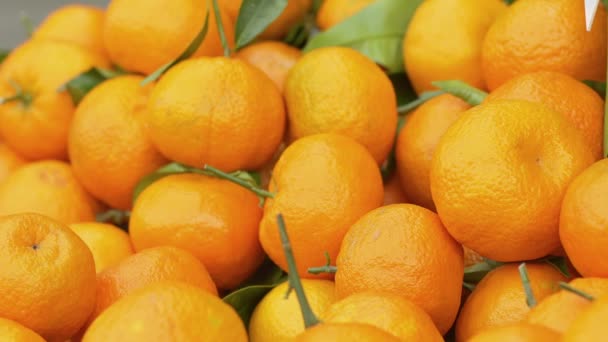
(14, 332)
(275, 59)
(109, 165)
(196, 126)
(61, 24)
(9, 161)
(168, 311)
(48, 188)
(581, 105)
(590, 326)
(520, 332)
(549, 35)
(215, 220)
(345, 332)
(417, 142)
(444, 40)
(499, 299)
(109, 244)
(47, 276)
(277, 318)
(498, 180)
(333, 12)
(318, 190)
(35, 124)
(147, 267)
(393, 191)
(560, 309)
(583, 227)
(404, 249)
(389, 312)
(339, 90)
(140, 36)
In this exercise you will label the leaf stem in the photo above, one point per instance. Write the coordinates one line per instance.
(220, 29)
(462, 90)
(327, 268)
(525, 280)
(427, 95)
(310, 319)
(572, 289)
(221, 174)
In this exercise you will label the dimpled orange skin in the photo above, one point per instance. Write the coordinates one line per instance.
(195, 125)
(333, 12)
(323, 184)
(275, 59)
(520, 332)
(560, 309)
(339, 90)
(168, 311)
(345, 332)
(108, 243)
(404, 249)
(108, 145)
(140, 36)
(549, 35)
(15, 332)
(497, 180)
(499, 299)
(590, 326)
(581, 105)
(48, 188)
(41, 262)
(417, 141)
(9, 161)
(389, 312)
(40, 130)
(60, 24)
(393, 191)
(444, 41)
(583, 227)
(215, 220)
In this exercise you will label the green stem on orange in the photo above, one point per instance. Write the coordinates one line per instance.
(580, 293)
(427, 95)
(310, 319)
(220, 29)
(327, 268)
(24, 97)
(525, 280)
(460, 89)
(247, 185)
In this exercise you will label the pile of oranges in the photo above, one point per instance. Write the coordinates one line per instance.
(208, 190)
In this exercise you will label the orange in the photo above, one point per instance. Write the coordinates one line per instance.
(583, 227)
(108, 146)
(333, 12)
(345, 332)
(471, 257)
(498, 180)
(389, 312)
(318, 190)
(279, 318)
(499, 299)
(9, 161)
(581, 105)
(404, 249)
(560, 309)
(36, 124)
(47, 276)
(590, 326)
(417, 142)
(109, 244)
(215, 220)
(15, 332)
(275, 59)
(48, 188)
(147, 267)
(393, 191)
(140, 36)
(195, 125)
(521, 332)
(168, 311)
(339, 90)
(545, 35)
(61, 23)
(444, 41)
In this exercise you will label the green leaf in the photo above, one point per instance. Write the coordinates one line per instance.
(254, 17)
(599, 87)
(509, 2)
(468, 93)
(116, 217)
(220, 28)
(167, 170)
(410, 106)
(376, 31)
(248, 295)
(3, 54)
(82, 84)
(190, 50)
(560, 264)
(474, 273)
